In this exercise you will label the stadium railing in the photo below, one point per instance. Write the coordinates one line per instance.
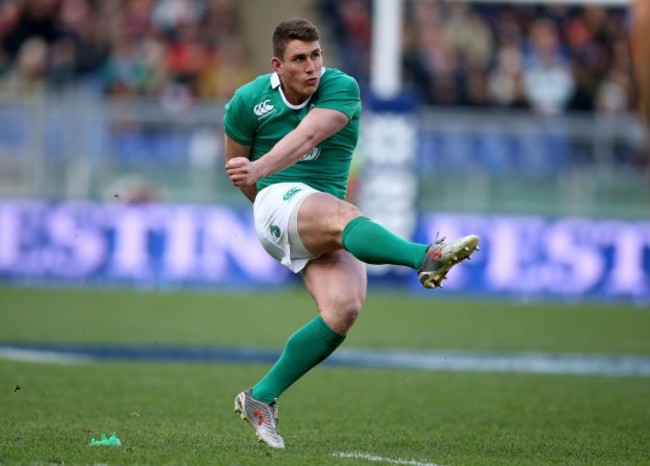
(468, 159)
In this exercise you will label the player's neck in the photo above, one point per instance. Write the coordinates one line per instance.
(292, 97)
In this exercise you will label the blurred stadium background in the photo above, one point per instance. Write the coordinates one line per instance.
(122, 238)
(513, 120)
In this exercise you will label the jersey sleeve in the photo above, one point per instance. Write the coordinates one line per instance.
(340, 94)
(238, 121)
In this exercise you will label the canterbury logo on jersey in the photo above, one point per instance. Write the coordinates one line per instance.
(289, 194)
(263, 109)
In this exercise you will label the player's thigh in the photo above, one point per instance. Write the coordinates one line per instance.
(321, 220)
(337, 282)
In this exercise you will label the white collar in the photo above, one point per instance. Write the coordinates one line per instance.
(275, 80)
(275, 84)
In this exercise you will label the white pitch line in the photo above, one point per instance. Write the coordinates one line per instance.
(522, 362)
(458, 361)
(381, 459)
(39, 356)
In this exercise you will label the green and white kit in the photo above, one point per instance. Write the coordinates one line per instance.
(259, 116)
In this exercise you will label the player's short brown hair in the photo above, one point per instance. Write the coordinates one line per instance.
(293, 29)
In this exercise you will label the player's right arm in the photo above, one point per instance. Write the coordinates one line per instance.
(239, 130)
(235, 150)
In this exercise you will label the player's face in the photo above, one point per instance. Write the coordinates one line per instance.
(299, 70)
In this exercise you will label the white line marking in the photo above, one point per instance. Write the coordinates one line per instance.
(458, 361)
(38, 356)
(381, 459)
(520, 363)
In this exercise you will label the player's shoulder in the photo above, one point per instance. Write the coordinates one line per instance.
(255, 88)
(334, 75)
(335, 80)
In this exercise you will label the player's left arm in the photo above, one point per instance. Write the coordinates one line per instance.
(318, 125)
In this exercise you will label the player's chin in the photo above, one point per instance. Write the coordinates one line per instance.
(311, 87)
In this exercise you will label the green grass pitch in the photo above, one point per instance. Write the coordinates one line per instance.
(182, 413)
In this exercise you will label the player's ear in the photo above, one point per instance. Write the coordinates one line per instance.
(276, 64)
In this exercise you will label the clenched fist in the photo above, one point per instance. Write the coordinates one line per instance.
(242, 172)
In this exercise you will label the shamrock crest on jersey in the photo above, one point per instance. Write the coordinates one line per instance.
(312, 154)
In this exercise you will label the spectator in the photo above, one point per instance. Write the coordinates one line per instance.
(354, 30)
(225, 74)
(612, 96)
(62, 70)
(27, 78)
(477, 92)
(469, 37)
(34, 18)
(585, 87)
(548, 82)
(168, 15)
(505, 81)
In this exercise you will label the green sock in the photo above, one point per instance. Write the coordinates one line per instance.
(373, 244)
(304, 350)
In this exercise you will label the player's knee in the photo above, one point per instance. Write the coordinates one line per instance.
(348, 211)
(341, 314)
(352, 309)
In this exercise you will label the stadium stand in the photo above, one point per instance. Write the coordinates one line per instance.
(530, 93)
(549, 58)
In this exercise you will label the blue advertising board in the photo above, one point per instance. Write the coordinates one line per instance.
(162, 245)
(148, 245)
(534, 256)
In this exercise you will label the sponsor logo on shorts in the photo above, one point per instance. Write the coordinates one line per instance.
(275, 230)
(292, 192)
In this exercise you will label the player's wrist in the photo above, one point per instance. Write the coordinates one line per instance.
(260, 170)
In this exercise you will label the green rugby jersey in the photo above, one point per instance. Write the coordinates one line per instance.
(258, 116)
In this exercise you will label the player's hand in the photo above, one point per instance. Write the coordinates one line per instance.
(242, 172)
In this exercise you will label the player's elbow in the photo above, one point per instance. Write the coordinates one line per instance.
(326, 124)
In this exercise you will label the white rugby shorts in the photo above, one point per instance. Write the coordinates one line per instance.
(276, 223)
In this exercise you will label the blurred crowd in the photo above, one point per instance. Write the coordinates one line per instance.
(122, 48)
(549, 58)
